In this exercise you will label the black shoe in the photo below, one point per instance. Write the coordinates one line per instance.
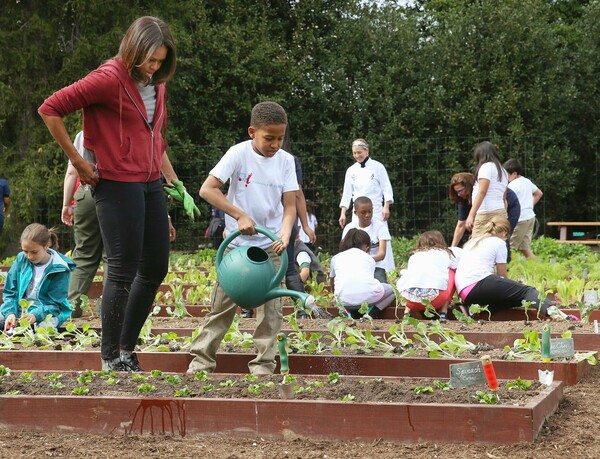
(76, 312)
(130, 362)
(374, 312)
(247, 313)
(112, 364)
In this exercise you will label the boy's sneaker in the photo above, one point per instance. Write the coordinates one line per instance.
(130, 362)
(443, 318)
(112, 364)
(247, 313)
(301, 314)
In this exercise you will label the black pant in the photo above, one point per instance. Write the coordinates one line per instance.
(498, 293)
(135, 233)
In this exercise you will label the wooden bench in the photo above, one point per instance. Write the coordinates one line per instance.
(563, 227)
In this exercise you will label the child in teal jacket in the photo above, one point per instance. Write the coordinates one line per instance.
(39, 275)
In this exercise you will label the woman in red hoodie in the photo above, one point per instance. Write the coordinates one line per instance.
(124, 115)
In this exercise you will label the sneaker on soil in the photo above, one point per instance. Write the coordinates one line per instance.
(112, 364)
(130, 362)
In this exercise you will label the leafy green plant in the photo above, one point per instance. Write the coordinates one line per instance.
(250, 377)
(4, 371)
(441, 385)
(156, 373)
(82, 390)
(254, 389)
(422, 389)
(227, 383)
(112, 381)
(519, 384)
(201, 375)
(346, 398)
(26, 377)
(173, 379)
(146, 388)
(334, 378)
(208, 388)
(185, 392)
(487, 398)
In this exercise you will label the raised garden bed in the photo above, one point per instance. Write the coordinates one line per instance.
(408, 417)
(230, 362)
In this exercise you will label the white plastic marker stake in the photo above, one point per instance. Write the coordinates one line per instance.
(595, 326)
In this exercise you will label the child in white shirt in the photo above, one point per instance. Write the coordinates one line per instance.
(380, 236)
(351, 274)
(429, 275)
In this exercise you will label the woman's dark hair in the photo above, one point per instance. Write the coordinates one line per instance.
(144, 36)
(487, 152)
(355, 238)
(465, 179)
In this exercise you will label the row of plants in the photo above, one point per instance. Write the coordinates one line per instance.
(201, 384)
(410, 337)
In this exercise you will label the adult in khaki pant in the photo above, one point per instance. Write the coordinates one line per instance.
(89, 249)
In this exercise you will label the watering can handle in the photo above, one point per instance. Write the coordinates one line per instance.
(266, 232)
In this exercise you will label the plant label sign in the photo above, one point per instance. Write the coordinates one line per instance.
(562, 348)
(467, 374)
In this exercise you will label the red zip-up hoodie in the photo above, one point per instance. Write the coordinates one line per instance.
(115, 123)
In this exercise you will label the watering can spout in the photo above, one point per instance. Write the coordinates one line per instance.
(277, 292)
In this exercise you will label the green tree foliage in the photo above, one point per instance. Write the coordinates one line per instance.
(422, 83)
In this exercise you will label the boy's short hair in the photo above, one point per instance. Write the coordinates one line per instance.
(513, 165)
(362, 200)
(266, 113)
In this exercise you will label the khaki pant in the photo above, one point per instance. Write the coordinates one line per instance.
(269, 320)
(483, 218)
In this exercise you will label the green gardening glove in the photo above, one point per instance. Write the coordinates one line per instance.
(177, 192)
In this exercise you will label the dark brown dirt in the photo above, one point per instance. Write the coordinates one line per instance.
(571, 432)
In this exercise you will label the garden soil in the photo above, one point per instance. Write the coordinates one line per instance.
(573, 431)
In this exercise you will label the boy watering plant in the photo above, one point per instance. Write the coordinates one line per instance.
(262, 191)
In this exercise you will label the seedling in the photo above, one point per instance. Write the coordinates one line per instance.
(112, 381)
(185, 392)
(4, 371)
(346, 398)
(208, 388)
(82, 390)
(519, 384)
(334, 378)
(250, 378)
(486, 397)
(53, 377)
(26, 377)
(138, 377)
(173, 379)
(228, 383)
(422, 389)
(441, 385)
(201, 375)
(56, 385)
(156, 373)
(254, 389)
(146, 388)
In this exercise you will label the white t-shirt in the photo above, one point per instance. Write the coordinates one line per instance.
(312, 223)
(427, 269)
(478, 262)
(524, 189)
(257, 184)
(31, 292)
(378, 231)
(303, 258)
(494, 198)
(352, 272)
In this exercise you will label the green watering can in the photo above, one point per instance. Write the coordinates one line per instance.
(248, 277)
